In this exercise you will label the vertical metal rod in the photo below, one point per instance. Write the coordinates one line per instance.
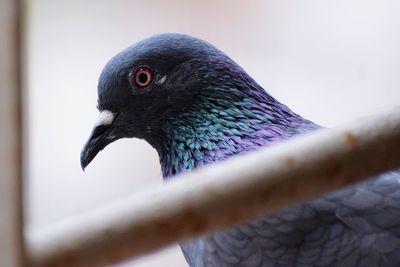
(11, 219)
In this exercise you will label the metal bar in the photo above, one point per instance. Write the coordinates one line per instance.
(11, 242)
(224, 194)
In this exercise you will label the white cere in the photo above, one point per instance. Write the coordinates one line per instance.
(106, 117)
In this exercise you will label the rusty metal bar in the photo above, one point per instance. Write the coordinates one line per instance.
(11, 241)
(223, 195)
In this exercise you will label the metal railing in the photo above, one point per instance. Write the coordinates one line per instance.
(224, 194)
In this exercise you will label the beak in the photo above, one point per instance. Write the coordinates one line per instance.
(99, 138)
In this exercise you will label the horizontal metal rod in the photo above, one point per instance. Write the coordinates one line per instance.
(223, 195)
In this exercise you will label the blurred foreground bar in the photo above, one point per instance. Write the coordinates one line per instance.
(11, 246)
(223, 195)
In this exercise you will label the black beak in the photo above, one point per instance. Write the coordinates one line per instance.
(98, 140)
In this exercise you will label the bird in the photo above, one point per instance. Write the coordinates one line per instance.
(196, 106)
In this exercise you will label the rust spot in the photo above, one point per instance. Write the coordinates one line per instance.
(211, 191)
(351, 139)
(196, 222)
(349, 180)
(290, 161)
(294, 190)
(333, 167)
(233, 217)
(333, 170)
(199, 227)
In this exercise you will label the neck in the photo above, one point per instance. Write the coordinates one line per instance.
(220, 129)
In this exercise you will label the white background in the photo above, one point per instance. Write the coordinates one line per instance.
(331, 61)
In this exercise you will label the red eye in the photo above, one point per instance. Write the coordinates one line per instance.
(142, 77)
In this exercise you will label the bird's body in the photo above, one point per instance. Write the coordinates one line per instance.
(354, 227)
(196, 106)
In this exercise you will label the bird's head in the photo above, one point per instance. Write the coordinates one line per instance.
(158, 79)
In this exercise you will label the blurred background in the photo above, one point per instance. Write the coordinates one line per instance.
(331, 61)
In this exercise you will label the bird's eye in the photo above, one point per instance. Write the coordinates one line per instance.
(142, 77)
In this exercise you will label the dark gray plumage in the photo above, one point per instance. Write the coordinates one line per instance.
(196, 106)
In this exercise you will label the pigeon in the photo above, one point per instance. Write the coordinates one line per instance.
(196, 106)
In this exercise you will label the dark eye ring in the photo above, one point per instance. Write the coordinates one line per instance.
(142, 77)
